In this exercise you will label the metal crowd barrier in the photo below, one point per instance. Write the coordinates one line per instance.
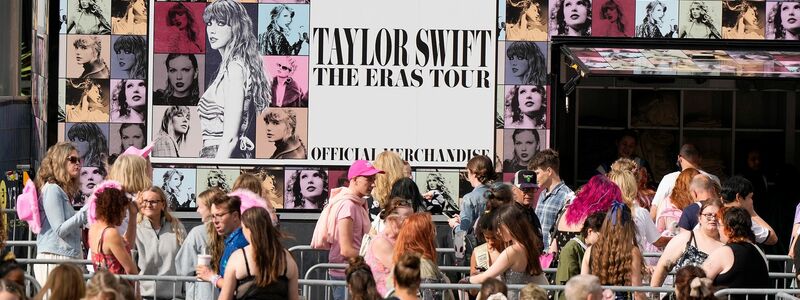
(757, 293)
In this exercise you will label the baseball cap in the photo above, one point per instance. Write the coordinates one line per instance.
(144, 153)
(525, 179)
(362, 168)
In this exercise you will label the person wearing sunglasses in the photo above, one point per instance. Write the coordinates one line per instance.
(691, 247)
(57, 184)
(285, 91)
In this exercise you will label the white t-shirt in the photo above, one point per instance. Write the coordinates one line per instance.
(668, 183)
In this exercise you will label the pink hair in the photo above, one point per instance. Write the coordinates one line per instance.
(596, 195)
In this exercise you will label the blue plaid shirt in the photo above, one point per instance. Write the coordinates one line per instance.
(550, 202)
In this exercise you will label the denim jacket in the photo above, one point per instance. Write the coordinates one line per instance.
(61, 224)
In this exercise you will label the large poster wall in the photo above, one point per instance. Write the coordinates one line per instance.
(296, 90)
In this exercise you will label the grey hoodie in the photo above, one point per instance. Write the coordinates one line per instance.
(157, 251)
(186, 260)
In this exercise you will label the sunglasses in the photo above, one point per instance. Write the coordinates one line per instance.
(285, 68)
(74, 159)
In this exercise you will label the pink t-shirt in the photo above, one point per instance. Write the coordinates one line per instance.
(360, 216)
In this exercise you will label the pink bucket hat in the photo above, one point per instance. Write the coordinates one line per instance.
(144, 153)
(362, 168)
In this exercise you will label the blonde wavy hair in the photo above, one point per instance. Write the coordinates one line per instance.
(105, 285)
(626, 182)
(65, 282)
(177, 227)
(390, 163)
(132, 172)
(54, 169)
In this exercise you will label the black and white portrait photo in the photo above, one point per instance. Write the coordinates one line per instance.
(126, 135)
(129, 17)
(743, 19)
(91, 140)
(128, 101)
(272, 183)
(175, 131)
(657, 18)
(221, 178)
(571, 17)
(700, 19)
(129, 57)
(179, 187)
(89, 17)
(87, 100)
(526, 106)
(239, 90)
(306, 188)
(178, 79)
(520, 145)
(283, 29)
(442, 188)
(281, 133)
(87, 56)
(783, 20)
(525, 63)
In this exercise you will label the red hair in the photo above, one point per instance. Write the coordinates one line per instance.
(681, 196)
(417, 234)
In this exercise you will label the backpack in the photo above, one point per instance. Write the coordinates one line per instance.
(28, 207)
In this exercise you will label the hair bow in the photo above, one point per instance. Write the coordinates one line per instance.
(497, 296)
(625, 214)
(700, 287)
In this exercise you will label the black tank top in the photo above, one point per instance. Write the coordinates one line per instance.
(247, 289)
(748, 271)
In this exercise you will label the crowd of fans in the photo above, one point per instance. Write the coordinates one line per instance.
(709, 234)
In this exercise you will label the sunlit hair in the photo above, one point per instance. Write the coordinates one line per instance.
(624, 164)
(521, 230)
(54, 169)
(392, 166)
(531, 291)
(111, 205)
(248, 182)
(774, 18)
(177, 226)
(169, 89)
(612, 5)
(441, 185)
(537, 69)
(737, 224)
(359, 279)
(269, 255)
(391, 206)
(481, 166)
(417, 235)
(215, 242)
(65, 282)
(547, 158)
(683, 283)
(406, 188)
(681, 196)
(596, 195)
(295, 193)
(243, 47)
(123, 126)
(166, 122)
(407, 272)
(138, 47)
(132, 172)
(120, 99)
(539, 116)
(560, 23)
(704, 17)
(735, 186)
(89, 42)
(492, 286)
(180, 9)
(612, 255)
(276, 12)
(222, 180)
(626, 182)
(105, 285)
(98, 145)
(498, 194)
(516, 11)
